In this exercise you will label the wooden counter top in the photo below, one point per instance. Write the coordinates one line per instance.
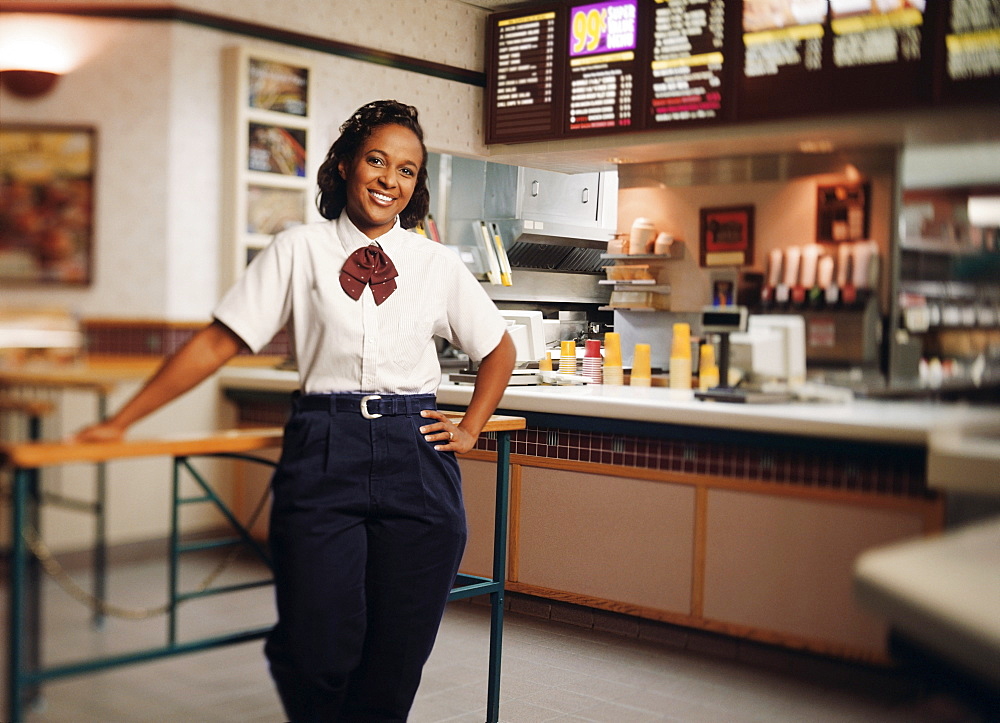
(47, 454)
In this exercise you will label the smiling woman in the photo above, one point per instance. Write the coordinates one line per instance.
(368, 524)
(362, 148)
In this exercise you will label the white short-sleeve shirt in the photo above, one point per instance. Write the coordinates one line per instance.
(347, 345)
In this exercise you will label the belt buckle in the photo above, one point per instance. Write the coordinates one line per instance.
(364, 406)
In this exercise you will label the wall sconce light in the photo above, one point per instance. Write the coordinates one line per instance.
(28, 83)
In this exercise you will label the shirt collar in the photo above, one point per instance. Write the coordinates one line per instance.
(353, 238)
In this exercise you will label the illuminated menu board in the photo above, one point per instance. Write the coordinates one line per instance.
(578, 67)
(881, 54)
(972, 51)
(688, 52)
(602, 66)
(782, 56)
(522, 89)
(827, 56)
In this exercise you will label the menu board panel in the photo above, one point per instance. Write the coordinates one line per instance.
(523, 90)
(782, 58)
(880, 54)
(827, 56)
(685, 81)
(971, 51)
(602, 43)
(586, 67)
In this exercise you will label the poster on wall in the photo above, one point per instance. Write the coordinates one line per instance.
(46, 204)
(277, 149)
(602, 66)
(272, 210)
(726, 236)
(278, 87)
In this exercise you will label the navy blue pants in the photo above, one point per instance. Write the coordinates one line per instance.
(367, 532)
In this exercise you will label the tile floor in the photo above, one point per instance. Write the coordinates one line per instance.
(552, 671)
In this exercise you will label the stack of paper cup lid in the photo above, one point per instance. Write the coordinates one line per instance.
(612, 372)
(567, 361)
(593, 362)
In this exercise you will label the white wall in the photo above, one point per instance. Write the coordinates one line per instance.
(153, 91)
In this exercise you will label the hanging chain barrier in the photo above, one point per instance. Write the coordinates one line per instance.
(58, 573)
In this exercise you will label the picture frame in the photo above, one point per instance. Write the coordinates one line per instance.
(842, 212)
(726, 236)
(47, 204)
(276, 86)
(276, 149)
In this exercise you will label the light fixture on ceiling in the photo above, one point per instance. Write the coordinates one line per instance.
(28, 83)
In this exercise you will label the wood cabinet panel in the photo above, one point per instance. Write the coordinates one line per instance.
(785, 565)
(479, 488)
(615, 538)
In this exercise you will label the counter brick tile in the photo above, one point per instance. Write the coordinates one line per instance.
(774, 464)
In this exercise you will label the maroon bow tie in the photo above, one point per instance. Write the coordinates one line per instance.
(369, 265)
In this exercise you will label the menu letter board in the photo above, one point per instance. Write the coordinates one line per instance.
(685, 71)
(972, 51)
(602, 63)
(881, 54)
(827, 56)
(522, 91)
(782, 58)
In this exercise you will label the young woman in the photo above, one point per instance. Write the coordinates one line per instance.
(367, 523)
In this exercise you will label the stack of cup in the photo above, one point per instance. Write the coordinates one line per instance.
(592, 361)
(545, 365)
(567, 360)
(642, 375)
(708, 370)
(612, 360)
(680, 357)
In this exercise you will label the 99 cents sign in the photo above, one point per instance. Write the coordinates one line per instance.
(602, 45)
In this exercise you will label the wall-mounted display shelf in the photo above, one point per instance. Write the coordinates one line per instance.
(269, 130)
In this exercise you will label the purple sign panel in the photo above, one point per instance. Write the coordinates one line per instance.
(605, 27)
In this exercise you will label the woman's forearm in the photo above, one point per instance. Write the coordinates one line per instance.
(198, 359)
(491, 382)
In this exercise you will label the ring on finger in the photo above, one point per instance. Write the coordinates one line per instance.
(451, 436)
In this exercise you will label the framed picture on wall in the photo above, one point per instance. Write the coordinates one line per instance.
(276, 86)
(276, 149)
(726, 236)
(270, 210)
(46, 204)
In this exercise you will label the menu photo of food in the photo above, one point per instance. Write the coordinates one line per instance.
(277, 149)
(848, 8)
(760, 15)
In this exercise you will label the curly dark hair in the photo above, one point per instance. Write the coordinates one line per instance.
(332, 195)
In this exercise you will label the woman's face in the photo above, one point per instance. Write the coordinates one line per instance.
(381, 178)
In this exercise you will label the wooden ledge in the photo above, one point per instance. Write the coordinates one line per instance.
(31, 407)
(30, 455)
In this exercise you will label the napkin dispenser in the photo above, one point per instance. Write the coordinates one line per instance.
(772, 349)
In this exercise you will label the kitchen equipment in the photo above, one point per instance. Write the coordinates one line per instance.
(772, 349)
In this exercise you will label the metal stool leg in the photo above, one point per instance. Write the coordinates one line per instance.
(499, 576)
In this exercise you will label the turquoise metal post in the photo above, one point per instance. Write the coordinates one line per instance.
(173, 570)
(101, 524)
(18, 569)
(499, 575)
